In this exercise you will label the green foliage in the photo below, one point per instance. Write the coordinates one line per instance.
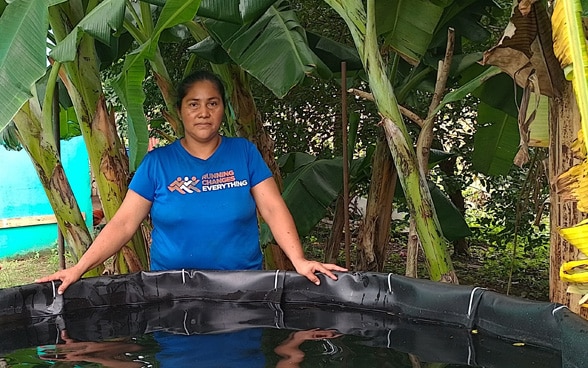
(511, 208)
(496, 141)
(8, 138)
(279, 32)
(23, 27)
(490, 267)
(309, 120)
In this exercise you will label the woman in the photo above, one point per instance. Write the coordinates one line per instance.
(202, 192)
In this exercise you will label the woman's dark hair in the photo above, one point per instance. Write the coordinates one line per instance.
(198, 76)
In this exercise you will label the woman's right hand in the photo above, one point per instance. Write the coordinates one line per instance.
(110, 240)
(67, 277)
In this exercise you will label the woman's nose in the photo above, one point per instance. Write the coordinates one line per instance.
(203, 112)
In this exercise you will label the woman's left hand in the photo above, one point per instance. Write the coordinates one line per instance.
(310, 268)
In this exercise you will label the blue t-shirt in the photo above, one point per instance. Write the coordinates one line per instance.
(203, 213)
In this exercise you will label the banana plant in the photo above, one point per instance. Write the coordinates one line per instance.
(80, 75)
(43, 151)
(362, 24)
(105, 149)
(76, 30)
(570, 48)
(25, 24)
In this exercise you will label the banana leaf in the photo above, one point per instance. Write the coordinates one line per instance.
(231, 11)
(569, 46)
(237, 12)
(211, 51)
(273, 49)
(23, 26)
(332, 53)
(308, 193)
(452, 222)
(408, 34)
(539, 127)
(510, 94)
(106, 16)
(496, 141)
(293, 161)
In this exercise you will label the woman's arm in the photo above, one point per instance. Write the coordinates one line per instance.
(275, 213)
(115, 234)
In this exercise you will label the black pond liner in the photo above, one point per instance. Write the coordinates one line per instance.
(437, 322)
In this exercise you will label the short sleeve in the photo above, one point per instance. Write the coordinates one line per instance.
(143, 182)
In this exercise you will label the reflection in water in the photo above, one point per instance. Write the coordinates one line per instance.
(235, 349)
(290, 350)
(206, 334)
(269, 347)
(114, 354)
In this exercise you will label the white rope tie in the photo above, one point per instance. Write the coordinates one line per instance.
(183, 277)
(390, 282)
(54, 291)
(276, 279)
(470, 307)
(186, 327)
(557, 309)
(469, 354)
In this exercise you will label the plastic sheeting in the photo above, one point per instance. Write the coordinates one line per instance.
(435, 321)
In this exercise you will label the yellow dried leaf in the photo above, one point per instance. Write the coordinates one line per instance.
(577, 235)
(561, 36)
(573, 185)
(578, 146)
(574, 271)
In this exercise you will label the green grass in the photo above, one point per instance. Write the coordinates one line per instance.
(24, 269)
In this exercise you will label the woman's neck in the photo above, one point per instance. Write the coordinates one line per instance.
(201, 150)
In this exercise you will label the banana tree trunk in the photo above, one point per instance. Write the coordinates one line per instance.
(375, 229)
(41, 147)
(564, 126)
(418, 197)
(420, 205)
(105, 151)
(336, 235)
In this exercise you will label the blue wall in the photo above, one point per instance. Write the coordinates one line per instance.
(22, 195)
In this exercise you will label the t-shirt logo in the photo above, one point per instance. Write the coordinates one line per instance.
(209, 182)
(185, 185)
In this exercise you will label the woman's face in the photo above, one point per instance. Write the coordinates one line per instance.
(202, 111)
